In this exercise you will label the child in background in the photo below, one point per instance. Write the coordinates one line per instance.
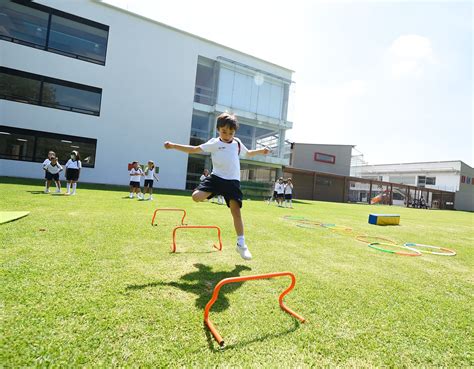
(73, 170)
(45, 164)
(225, 178)
(52, 173)
(149, 175)
(204, 175)
(289, 193)
(280, 189)
(135, 175)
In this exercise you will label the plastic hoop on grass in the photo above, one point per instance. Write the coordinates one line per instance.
(363, 238)
(374, 245)
(328, 225)
(412, 246)
(307, 221)
(307, 225)
(340, 229)
(293, 217)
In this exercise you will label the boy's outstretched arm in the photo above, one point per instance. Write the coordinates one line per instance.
(264, 151)
(184, 148)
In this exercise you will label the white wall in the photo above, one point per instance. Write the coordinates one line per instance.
(148, 91)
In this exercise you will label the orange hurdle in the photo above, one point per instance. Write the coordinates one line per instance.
(168, 209)
(197, 226)
(215, 295)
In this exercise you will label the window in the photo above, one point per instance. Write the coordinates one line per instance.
(196, 165)
(250, 92)
(410, 180)
(51, 92)
(200, 129)
(39, 26)
(324, 158)
(421, 181)
(431, 180)
(28, 145)
(204, 89)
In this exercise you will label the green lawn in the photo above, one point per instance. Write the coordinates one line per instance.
(86, 280)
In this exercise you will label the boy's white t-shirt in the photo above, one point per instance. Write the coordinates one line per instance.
(53, 169)
(73, 164)
(135, 174)
(288, 190)
(149, 173)
(225, 157)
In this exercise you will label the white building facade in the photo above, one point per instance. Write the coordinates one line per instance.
(452, 176)
(114, 85)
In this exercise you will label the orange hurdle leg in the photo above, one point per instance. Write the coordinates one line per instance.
(225, 281)
(168, 209)
(173, 249)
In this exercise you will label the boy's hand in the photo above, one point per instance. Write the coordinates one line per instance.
(168, 145)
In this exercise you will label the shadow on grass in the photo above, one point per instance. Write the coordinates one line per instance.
(213, 346)
(37, 192)
(201, 283)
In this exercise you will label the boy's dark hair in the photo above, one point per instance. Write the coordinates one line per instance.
(227, 120)
(75, 152)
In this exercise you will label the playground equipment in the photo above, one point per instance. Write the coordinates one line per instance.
(199, 227)
(225, 281)
(413, 247)
(383, 196)
(375, 245)
(384, 219)
(168, 209)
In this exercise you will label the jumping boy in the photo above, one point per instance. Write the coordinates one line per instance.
(225, 177)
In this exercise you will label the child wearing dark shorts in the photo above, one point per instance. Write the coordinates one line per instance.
(52, 174)
(149, 176)
(225, 177)
(135, 176)
(73, 170)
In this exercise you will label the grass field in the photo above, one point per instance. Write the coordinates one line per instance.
(87, 281)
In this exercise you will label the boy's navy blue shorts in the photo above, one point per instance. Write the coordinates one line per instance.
(148, 183)
(228, 188)
(134, 184)
(52, 177)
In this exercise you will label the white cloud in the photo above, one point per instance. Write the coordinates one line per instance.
(409, 55)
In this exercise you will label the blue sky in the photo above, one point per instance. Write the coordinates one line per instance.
(393, 78)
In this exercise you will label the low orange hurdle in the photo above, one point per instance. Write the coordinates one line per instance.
(168, 209)
(197, 226)
(225, 281)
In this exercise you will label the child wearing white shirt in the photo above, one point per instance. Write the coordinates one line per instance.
(149, 176)
(225, 177)
(45, 164)
(289, 193)
(52, 173)
(73, 170)
(135, 175)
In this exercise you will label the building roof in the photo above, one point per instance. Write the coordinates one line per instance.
(419, 162)
(307, 143)
(187, 33)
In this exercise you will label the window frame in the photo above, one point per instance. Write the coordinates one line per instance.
(45, 79)
(43, 134)
(50, 12)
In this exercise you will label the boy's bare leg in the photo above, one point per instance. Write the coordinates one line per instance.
(237, 216)
(199, 196)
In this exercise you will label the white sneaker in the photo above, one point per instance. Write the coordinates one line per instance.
(130, 196)
(151, 198)
(140, 196)
(46, 191)
(73, 193)
(58, 190)
(244, 252)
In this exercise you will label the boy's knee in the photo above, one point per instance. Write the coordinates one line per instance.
(196, 196)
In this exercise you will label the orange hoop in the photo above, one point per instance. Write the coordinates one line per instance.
(173, 249)
(215, 295)
(168, 209)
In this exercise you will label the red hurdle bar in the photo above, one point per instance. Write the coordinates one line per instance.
(197, 226)
(168, 209)
(225, 281)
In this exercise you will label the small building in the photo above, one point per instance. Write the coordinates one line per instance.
(332, 159)
(452, 176)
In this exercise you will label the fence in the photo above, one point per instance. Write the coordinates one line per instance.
(310, 185)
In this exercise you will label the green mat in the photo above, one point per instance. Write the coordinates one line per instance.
(9, 216)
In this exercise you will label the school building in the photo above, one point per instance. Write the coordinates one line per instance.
(115, 85)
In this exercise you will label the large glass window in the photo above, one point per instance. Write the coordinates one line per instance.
(29, 145)
(200, 128)
(196, 165)
(36, 25)
(205, 80)
(25, 24)
(51, 92)
(250, 92)
(78, 39)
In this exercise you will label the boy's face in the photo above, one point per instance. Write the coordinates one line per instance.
(135, 165)
(226, 133)
(50, 154)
